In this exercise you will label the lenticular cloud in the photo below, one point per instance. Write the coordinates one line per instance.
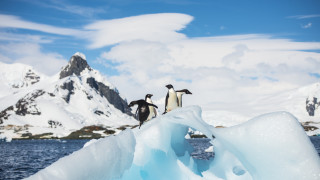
(161, 27)
(271, 146)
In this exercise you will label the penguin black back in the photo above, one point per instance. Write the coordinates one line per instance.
(142, 110)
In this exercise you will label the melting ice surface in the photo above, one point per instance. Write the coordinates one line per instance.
(272, 146)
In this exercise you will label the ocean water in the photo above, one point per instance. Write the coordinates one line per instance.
(21, 158)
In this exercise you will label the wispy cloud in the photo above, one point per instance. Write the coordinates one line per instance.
(70, 8)
(306, 26)
(304, 16)
(14, 37)
(175, 2)
(9, 21)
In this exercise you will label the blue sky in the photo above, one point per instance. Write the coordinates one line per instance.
(211, 17)
(251, 45)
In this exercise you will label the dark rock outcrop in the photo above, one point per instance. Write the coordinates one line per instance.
(29, 79)
(100, 113)
(70, 88)
(54, 124)
(25, 105)
(32, 77)
(38, 136)
(4, 115)
(109, 131)
(112, 96)
(86, 133)
(311, 105)
(310, 125)
(75, 67)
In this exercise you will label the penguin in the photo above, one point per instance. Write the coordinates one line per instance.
(179, 95)
(153, 111)
(171, 99)
(142, 110)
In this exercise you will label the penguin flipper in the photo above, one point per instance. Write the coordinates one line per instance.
(137, 114)
(165, 107)
(152, 105)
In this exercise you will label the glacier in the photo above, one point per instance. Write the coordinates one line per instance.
(271, 146)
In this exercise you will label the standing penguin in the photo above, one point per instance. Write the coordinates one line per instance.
(179, 95)
(143, 109)
(153, 111)
(171, 99)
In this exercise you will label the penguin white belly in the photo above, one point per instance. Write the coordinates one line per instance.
(172, 101)
(151, 114)
(151, 109)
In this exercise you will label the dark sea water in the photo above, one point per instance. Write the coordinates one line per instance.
(21, 158)
(199, 147)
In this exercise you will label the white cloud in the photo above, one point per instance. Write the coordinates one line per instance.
(153, 27)
(219, 69)
(307, 26)
(304, 16)
(9, 21)
(31, 54)
(252, 69)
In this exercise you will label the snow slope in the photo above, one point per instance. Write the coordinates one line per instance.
(293, 101)
(14, 77)
(271, 146)
(61, 104)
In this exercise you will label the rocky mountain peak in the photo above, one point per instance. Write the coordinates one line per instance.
(76, 65)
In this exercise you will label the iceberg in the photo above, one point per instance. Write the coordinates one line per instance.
(271, 146)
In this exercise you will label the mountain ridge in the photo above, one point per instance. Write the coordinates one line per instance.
(78, 96)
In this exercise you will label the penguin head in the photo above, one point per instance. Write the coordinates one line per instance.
(187, 91)
(169, 86)
(149, 96)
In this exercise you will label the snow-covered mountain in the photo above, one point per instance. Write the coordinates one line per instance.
(303, 103)
(78, 99)
(14, 77)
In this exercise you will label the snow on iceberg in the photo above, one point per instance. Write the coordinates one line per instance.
(271, 146)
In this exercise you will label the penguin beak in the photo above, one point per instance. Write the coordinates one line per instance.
(188, 92)
(151, 95)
